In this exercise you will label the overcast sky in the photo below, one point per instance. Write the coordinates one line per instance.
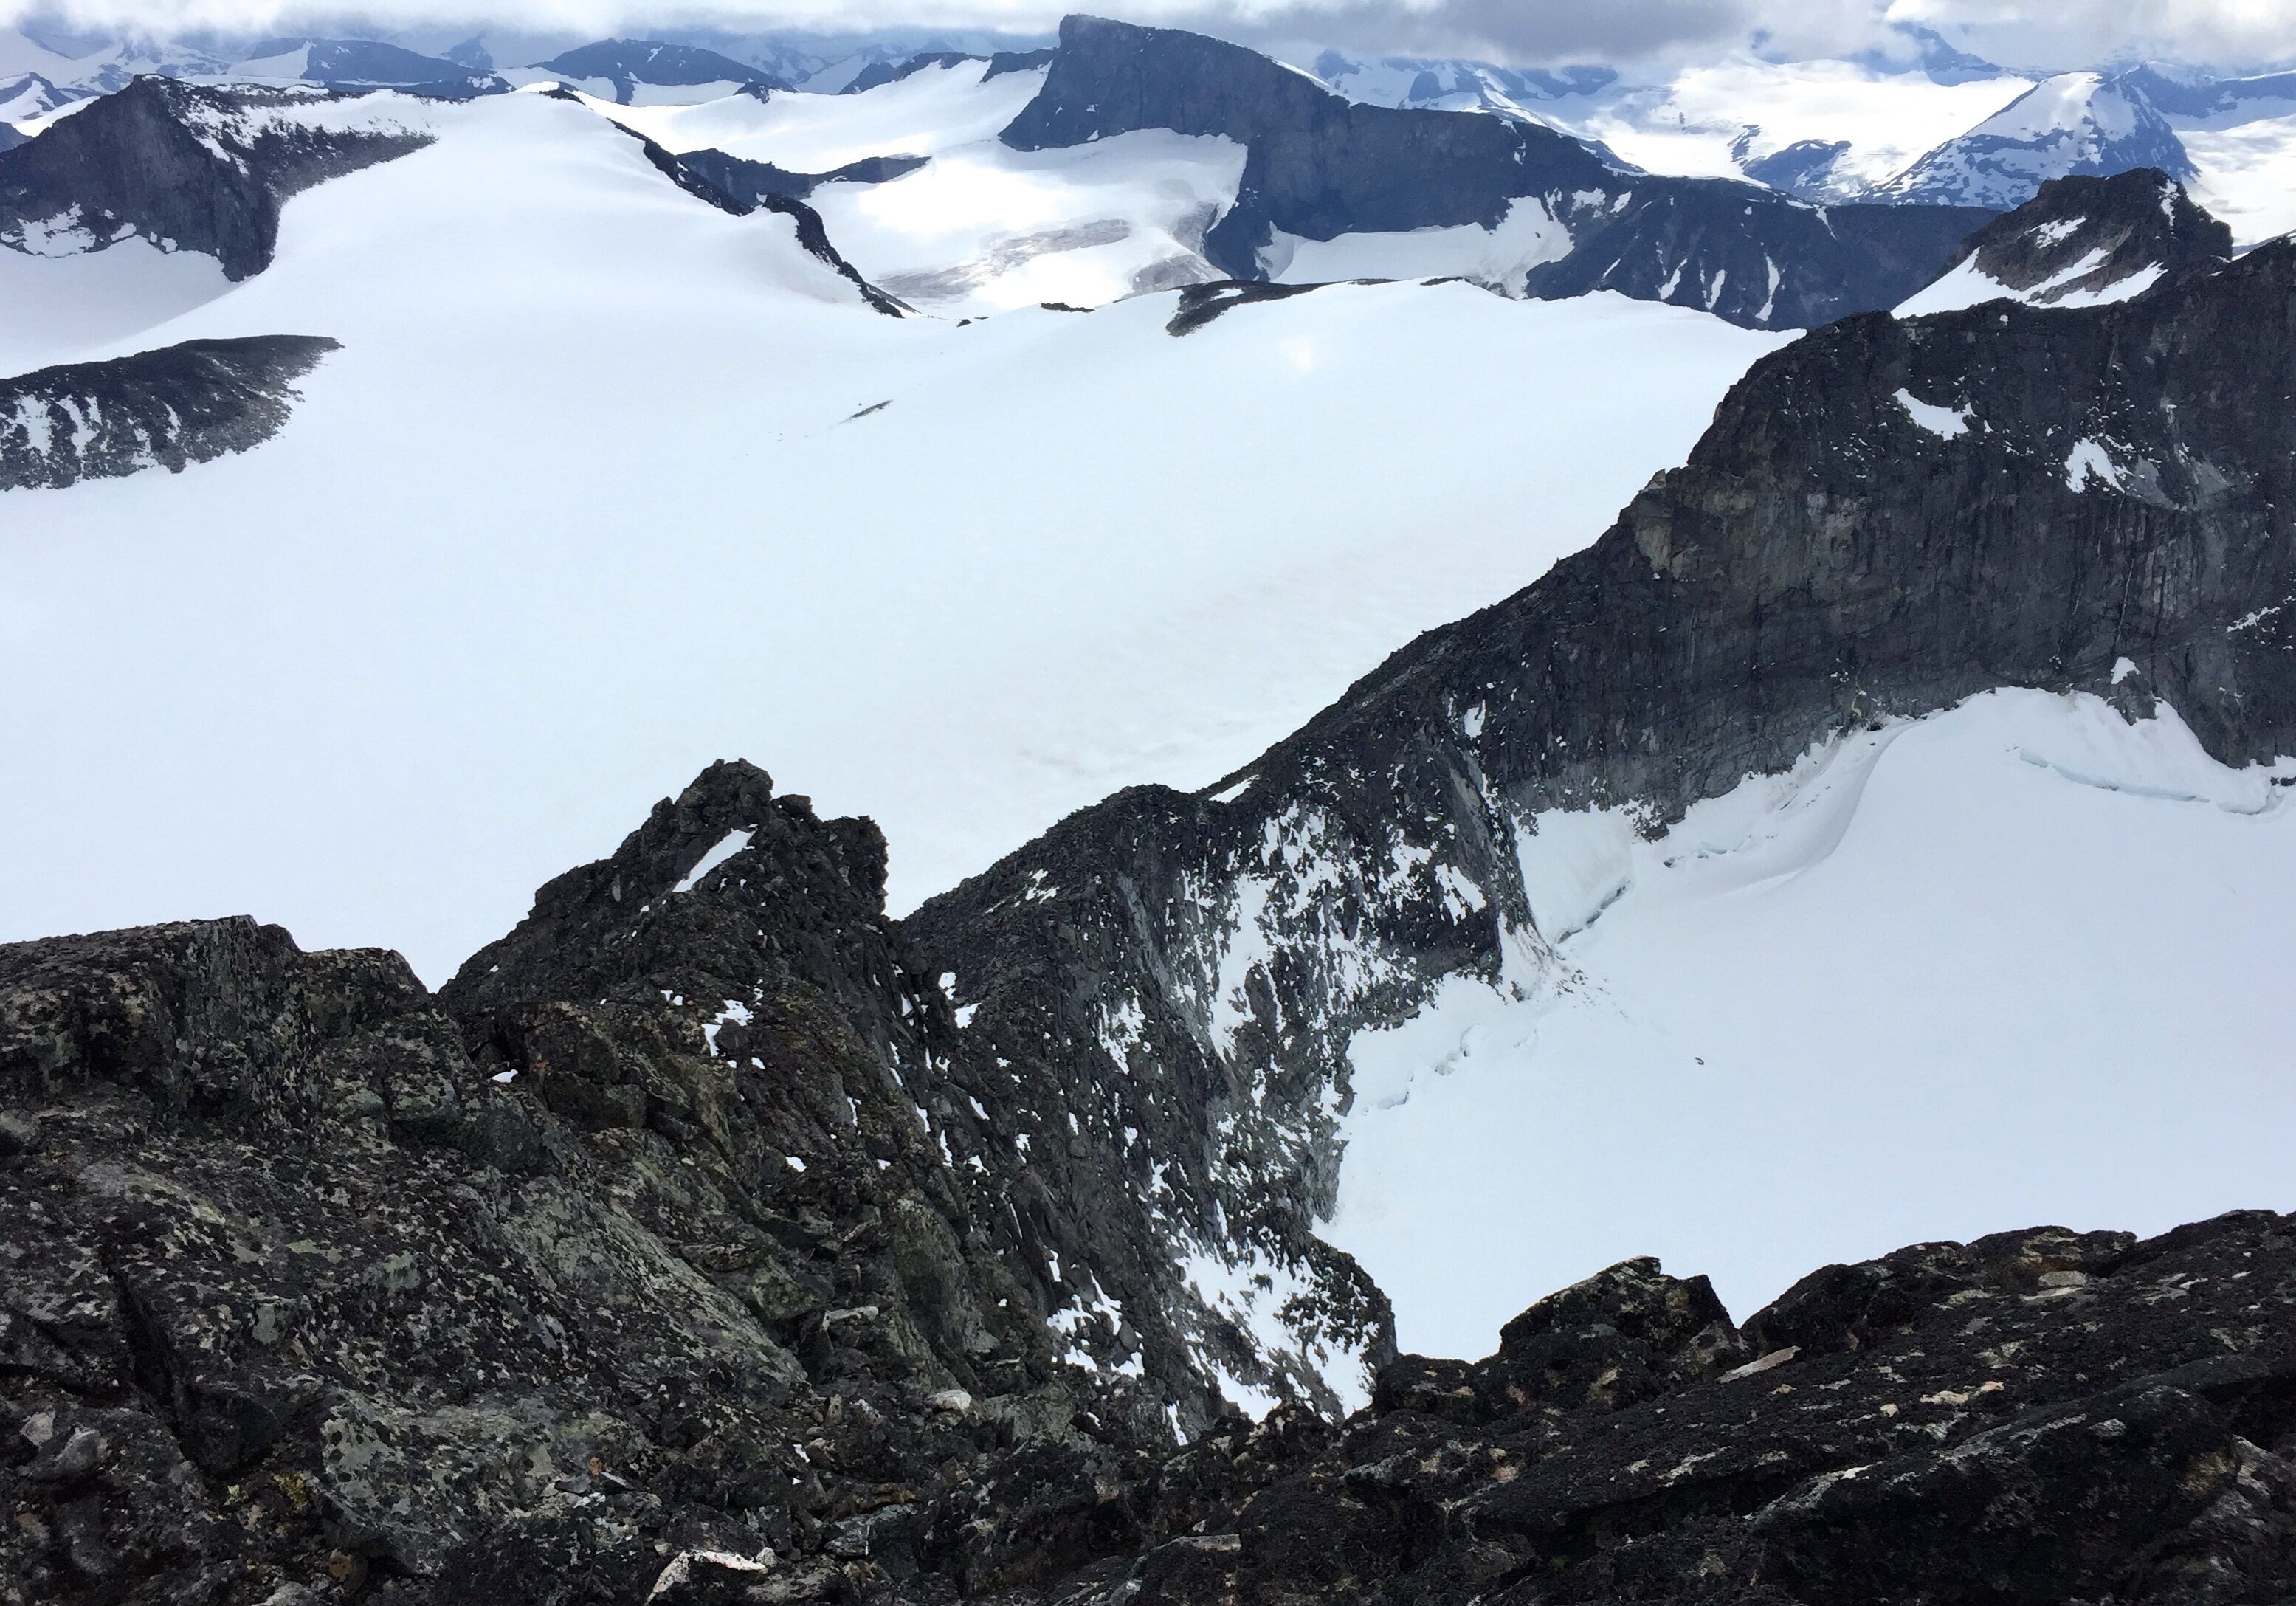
(2232, 32)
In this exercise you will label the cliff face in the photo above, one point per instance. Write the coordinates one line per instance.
(2081, 238)
(1318, 166)
(301, 1301)
(635, 1242)
(186, 167)
(1886, 518)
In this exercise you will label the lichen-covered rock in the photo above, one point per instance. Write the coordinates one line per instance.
(2016, 1428)
(309, 1280)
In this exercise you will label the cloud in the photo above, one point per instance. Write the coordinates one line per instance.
(2025, 33)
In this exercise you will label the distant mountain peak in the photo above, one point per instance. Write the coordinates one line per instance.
(2076, 123)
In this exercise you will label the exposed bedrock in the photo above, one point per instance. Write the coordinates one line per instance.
(166, 408)
(1319, 166)
(186, 167)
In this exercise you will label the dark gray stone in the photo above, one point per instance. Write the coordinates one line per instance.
(166, 408)
(133, 162)
(1319, 166)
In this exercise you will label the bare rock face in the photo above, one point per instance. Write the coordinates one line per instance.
(2081, 237)
(309, 1280)
(186, 167)
(1318, 166)
(2038, 1415)
(1886, 518)
(646, 1264)
(166, 408)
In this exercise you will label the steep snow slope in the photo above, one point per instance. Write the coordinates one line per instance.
(594, 493)
(2072, 124)
(2017, 961)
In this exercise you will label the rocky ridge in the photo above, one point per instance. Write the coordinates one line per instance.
(1000, 63)
(748, 183)
(1859, 538)
(165, 408)
(624, 64)
(188, 167)
(314, 1288)
(2085, 239)
(1319, 166)
(632, 1243)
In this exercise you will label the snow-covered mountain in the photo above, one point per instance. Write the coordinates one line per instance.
(414, 478)
(643, 70)
(1331, 188)
(2081, 242)
(1453, 84)
(507, 350)
(2076, 123)
(1771, 871)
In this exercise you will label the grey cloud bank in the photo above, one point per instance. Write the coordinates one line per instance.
(2229, 34)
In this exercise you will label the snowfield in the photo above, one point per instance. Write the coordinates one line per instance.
(605, 484)
(1707, 119)
(2019, 963)
(2245, 162)
(980, 228)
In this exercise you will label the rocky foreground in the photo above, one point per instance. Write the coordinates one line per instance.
(592, 1279)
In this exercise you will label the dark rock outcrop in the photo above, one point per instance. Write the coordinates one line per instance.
(631, 1250)
(751, 182)
(186, 167)
(315, 1287)
(2119, 488)
(166, 408)
(627, 63)
(880, 73)
(1319, 166)
(752, 193)
(2080, 236)
(2038, 1415)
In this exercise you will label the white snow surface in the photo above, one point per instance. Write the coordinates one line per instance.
(1691, 124)
(61, 308)
(1500, 258)
(980, 228)
(932, 110)
(2019, 963)
(2245, 159)
(1947, 423)
(584, 504)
